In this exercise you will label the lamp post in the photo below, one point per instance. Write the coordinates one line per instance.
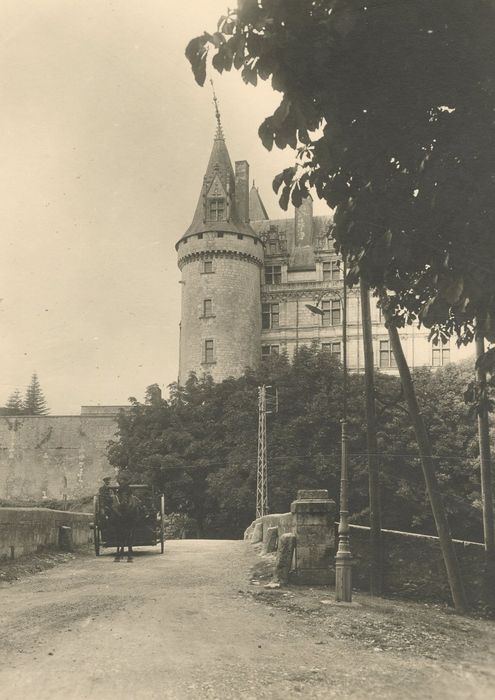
(343, 559)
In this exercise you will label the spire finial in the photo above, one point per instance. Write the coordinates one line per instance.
(219, 134)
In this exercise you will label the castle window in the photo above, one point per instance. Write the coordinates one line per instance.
(331, 271)
(387, 358)
(219, 234)
(269, 316)
(200, 236)
(273, 247)
(209, 351)
(240, 236)
(207, 307)
(267, 350)
(216, 211)
(333, 348)
(273, 274)
(331, 312)
(208, 266)
(440, 356)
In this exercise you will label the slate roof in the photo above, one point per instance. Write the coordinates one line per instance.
(257, 211)
(221, 165)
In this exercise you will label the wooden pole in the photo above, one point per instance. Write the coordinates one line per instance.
(425, 451)
(372, 446)
(485, 463)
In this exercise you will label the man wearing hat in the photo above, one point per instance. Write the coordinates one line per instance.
(105, 493)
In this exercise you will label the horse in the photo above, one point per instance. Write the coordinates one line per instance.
(126, 510)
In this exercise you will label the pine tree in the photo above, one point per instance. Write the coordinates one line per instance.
(34, 401)
(15, 405)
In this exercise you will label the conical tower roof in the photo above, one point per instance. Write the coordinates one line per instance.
(219, 185)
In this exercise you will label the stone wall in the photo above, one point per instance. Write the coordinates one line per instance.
(54, 456)
(412, 563)
(27, 530)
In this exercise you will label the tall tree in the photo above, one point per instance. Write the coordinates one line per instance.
(34, 400)
(15, 405)
(199, 446)
(401, 140)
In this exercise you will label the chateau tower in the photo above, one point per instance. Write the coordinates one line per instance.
(220, 257)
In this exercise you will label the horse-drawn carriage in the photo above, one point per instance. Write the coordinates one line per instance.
(134, 518)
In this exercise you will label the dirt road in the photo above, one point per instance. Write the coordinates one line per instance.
(186, 625)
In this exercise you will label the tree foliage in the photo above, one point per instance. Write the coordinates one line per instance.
(34, 403)
(390, 106)
(15, 404)
(200, 445)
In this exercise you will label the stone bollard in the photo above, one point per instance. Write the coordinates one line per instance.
(314, 516)
(271, 540)
(286, 546)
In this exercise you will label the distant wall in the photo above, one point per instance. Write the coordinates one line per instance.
(27, 530)
(54, 456)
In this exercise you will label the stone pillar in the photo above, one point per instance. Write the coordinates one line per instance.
(314, 517)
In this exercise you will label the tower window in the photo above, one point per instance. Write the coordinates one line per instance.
(440, 356)
(216, 210)
(331, 312)
(387, 358)
(273, 274)
(208, 266)
(207, 307)
(209, 351)
(270, 316)
(331, 270)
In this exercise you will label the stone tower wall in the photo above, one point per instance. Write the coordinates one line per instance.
(234, 289)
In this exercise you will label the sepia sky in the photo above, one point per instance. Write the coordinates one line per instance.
(104, 140)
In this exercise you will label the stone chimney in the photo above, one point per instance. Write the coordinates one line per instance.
(242, 189)
(304, 223)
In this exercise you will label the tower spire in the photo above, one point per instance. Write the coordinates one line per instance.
(219, 134)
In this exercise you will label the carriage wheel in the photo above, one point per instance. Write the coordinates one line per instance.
(96, 528)
(97, 540)
(162, 523)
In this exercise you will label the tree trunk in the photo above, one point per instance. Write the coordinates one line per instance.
(424, 446)
(372, 446)
(485, 464)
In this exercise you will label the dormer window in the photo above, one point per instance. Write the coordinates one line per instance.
(216, 209)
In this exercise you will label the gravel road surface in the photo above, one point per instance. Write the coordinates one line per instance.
(187, 625)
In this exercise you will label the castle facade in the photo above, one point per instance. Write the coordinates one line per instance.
(247, 280)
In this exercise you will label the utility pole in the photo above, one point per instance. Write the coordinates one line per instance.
(261, 475)
(266, 404)
(372, 445)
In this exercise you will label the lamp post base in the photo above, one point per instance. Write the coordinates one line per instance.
(343, 577)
